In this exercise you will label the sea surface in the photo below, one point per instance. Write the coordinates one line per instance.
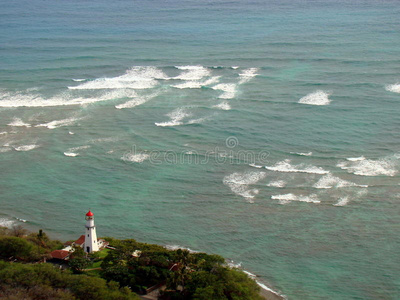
(264, 131)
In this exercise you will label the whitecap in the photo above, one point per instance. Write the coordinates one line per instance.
(176, 117)
(277, 183)
(196, 84)
(71, 154)
(17, 122)
(302, 153)
(58, 123)
(26, 147)
(137, 157)
(239, 183)
(342, 201)
(223, 105)
(395, 88)
(4, 149)
(316, 98)
(287, 198)
(71, 133)
(285, 166)
(329, 181)
(134, 78)
(356, 158)
(229, 90)
(247, 75)
(9, 99)
(192, 72)
(4, 132)
(78, 80)
(132, 103)
(370, 167)
(255, 166)
(235, 67)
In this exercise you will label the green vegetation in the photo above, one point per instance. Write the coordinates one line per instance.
(114, 274)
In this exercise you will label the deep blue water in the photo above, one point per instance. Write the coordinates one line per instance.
(264, 131)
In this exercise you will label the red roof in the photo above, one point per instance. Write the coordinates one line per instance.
(89, 214)
(59, 254)
(81, 240)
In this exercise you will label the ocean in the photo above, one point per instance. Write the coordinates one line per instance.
(263, 131)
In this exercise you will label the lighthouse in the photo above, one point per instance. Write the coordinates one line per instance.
(91, 243)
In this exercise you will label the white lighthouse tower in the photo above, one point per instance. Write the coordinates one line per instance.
(91, 243)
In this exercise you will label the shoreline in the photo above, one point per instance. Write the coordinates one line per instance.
(265, 291)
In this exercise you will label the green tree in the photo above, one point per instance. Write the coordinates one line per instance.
(15, 247)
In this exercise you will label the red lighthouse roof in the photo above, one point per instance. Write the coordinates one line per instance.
(89, 214)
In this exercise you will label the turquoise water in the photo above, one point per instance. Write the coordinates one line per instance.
(264, 131)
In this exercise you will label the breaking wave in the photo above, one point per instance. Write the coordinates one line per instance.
(277, 183)
(329, 181)
(176, 117)
(316, 98)
(239, 183)
(229, 90)
(58, 123)
(370, 167)
(26, 147)
(285, 166)
(223, 105)
(395, 88)
(134, 78)
(287, 198)
(16, 122)
(137, 158)
(247, 75)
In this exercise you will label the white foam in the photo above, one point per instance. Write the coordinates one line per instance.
(247, 75)
(223, 105)
(369, 167)
(134, 78)
(192, 73)
(78, 80)
(235, 67)
(255, 166)
(176, 117)
(132, 103)
(137, 157)
(4, 222)
(17, 122)
(239, 183)
(342, 201)
(229, 90)
(58, 123)
(196, 84)
(263, 286)
(4, 132)
(285, 166)
(329, 181)
(71, 154)
(287, 198)
(9, 99)
(395, 88)
(316, 98)
(4, 149)
(302, 153)
(26, 147)
(137, 101)
(356, 158)
(176, 247)
(71, 133)
(277, 183)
